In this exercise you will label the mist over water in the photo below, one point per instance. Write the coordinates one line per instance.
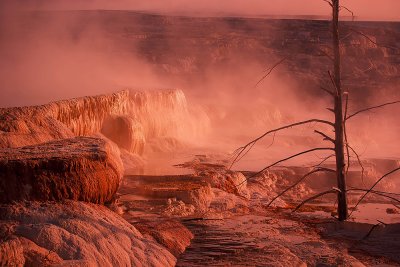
(52, 55)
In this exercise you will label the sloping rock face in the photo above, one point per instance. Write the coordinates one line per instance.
(81, 168)
(129, 118)
(24, 126)
(166, 113)
(170, 233)
(73, 234)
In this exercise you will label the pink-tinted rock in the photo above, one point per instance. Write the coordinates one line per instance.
(73, 234)
(126, 132)
(170, 233)
(81, 168)
(19, 251)
(22, 126)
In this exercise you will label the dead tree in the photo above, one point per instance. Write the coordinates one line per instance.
(339, 122)
(340, 145)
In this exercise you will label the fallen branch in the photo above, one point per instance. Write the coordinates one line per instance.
(333, 190)
(370, 108)
(299, 181)
(371, 230)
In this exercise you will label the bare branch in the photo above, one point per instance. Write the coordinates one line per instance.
(359, 161)
(323, 161)
(333, 190)
(369, 190)
(239, 152)
(242, 155)
(374, 192)
(333, 83)
(329, 2)
(270, 70)
(387, 193)
(328, 91)
(273, 140)
(373, 107)
(285, 159)
(326, 137)
(299, 181)
(351, 12)
(369, 38)
(371, 230)
(345, 132)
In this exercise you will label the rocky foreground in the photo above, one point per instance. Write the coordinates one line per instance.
(73, 234)
(238, 229)
(58, 167)
(66, 201)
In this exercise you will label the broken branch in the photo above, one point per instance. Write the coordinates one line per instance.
(326, 137)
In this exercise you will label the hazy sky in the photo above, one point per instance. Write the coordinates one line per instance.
(364, 9)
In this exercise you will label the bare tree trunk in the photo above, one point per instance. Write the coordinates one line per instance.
(339, 132)
(340, 141)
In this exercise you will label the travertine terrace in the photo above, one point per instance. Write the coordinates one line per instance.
(100, 168)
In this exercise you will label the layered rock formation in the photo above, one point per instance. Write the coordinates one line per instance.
(167, 114)
(73, 234)
(23, 126)
(190, 190)
(62, 151)
(80, 168)
(128, 118)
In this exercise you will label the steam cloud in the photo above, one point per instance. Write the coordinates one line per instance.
(49, 56)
